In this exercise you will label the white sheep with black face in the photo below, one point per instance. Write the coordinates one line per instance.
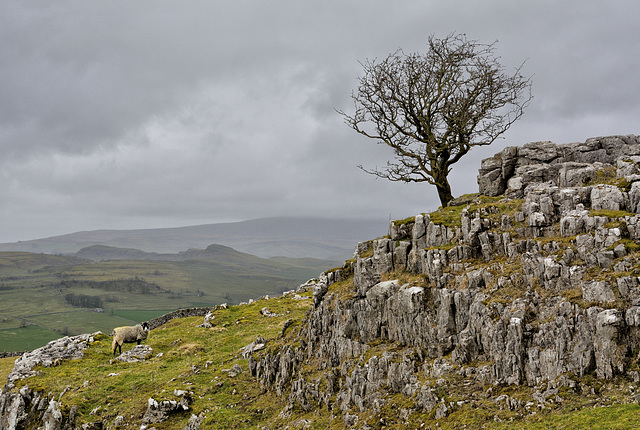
(129, 334)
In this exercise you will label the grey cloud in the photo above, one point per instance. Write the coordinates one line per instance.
(125, 114)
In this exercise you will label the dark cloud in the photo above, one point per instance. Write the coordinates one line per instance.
(129, 114)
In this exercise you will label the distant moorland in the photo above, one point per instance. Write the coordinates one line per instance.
(331, 239)
(43, 296)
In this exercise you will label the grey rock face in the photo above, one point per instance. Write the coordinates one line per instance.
(442, 325)
(52, 418)
(254, 346)
(629, 288)
(563, 165)
(573, 174)
(195, 422)
(597, 291)
(628, 166)
(607, 197)
(24, 407)
(634, 197)
(12, 408)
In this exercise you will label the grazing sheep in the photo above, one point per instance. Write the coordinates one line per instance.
(129, 334)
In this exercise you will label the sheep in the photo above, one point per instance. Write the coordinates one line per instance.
(129, 334)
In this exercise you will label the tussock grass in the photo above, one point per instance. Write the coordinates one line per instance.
(489, 207)
(449, 216)
(192, 358)
(6, 366)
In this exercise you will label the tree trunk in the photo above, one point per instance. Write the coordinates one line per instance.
(439, 169)
(444, 192)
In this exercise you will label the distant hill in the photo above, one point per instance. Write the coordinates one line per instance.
(217, 253)
(43, 296)
(106, 253)
(331, 239)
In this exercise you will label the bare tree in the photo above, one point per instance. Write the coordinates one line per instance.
(432, 109)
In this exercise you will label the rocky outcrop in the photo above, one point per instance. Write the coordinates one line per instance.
(136, 354)
(65, 348)
(535, 288)
(159, 411)
(17, 409)
(569, 165)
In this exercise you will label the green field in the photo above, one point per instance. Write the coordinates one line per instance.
(139, 316)
(79, 322)
(25, 338)
(43, 297)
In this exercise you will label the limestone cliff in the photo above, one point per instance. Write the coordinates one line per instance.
(519, 296)
(534, 283)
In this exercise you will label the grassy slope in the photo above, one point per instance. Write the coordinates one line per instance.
(33, 309)
(195, 359)
(6, 366)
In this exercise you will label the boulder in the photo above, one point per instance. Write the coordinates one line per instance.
(158, 412)
(607, 197)
(137, 354)
(598, 292)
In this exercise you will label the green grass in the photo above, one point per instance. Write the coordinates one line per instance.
(622, 416)
(138, 315)
(449, 216)
(610, 213)
(78, 322)
(9, 322)
(6, 366)
(33, 288)
(404, 221)
(490, 207)
(193, 358)
(25, 338)
(28, 301)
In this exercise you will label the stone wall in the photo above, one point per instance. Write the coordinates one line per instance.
(180, 313)
(11, 354)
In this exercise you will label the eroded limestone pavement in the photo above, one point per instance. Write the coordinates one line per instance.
(536, 286)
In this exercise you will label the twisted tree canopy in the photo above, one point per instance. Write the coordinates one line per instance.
(432, 109)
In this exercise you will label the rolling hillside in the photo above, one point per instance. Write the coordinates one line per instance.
(45, 296)
(331, 239)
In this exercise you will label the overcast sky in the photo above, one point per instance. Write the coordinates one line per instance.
(121, 114)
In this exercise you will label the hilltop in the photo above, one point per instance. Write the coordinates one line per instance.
(517, 307)
(323, 238)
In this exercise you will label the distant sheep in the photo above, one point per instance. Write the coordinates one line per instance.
(129, 334)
